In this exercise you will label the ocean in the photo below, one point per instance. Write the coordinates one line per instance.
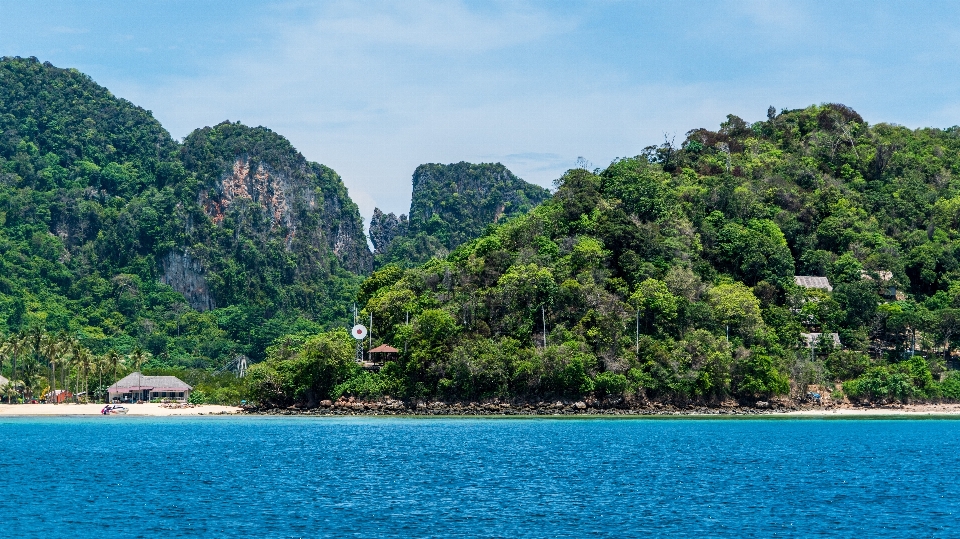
(411, 477)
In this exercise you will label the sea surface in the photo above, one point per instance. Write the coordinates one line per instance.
(368, 477)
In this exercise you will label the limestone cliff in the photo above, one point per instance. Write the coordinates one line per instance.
(451, 204)
(185, 274)
(276, 219)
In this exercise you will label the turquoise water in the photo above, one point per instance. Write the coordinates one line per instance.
(298, 477)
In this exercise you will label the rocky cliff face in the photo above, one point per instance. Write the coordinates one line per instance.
(451, 204)
(384, 228)
(185, 275)
(275, 221)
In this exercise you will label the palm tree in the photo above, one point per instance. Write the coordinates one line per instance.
(64, 345)
(100, 363)
(8, 391)
(114, 360)
(19, 345)
(138, 358)
(6, 344)
(84, 364)
(49, 350)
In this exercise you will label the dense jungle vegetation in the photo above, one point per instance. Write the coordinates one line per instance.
(666, 276)
(670, 276)
(95, 196)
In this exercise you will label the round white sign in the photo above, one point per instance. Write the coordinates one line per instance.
(359, 332)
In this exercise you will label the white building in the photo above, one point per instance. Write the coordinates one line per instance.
(138, 387)
(814, 339)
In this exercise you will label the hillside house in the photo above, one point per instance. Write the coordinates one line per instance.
(813, 339)
(810, 281)
(138, 387)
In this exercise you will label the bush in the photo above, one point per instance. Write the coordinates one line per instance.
(756, 376)
(846, 364)
(950, 386)
(881, 383)
(608, 384)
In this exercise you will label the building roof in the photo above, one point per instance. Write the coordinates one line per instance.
(383, 349)
(136, 382)
(810, 281)
(812, 338)
(3, 381)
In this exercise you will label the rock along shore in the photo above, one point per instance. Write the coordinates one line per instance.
(394, 407)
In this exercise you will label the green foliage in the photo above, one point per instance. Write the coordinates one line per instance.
(668, 275)
(904, 381)
(308, 371)
(112, 231)
(756, 376)
(451, 205)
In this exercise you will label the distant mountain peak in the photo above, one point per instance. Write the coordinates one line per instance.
(451, 204)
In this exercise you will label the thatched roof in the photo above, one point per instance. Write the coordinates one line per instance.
(384, 349)
(136, 382)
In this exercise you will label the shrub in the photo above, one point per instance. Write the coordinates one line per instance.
(608, 384)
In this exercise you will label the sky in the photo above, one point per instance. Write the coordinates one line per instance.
(374, 89)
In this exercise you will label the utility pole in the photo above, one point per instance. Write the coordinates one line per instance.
(370, 335)
(543, 313)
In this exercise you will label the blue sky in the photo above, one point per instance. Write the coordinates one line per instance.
(374, 89)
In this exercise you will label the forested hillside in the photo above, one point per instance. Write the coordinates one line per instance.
(671, 276)
(114, 234)
(691, 272)
(451, 204)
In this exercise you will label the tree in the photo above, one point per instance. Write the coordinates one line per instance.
(756, 376)
(735, 305)
(138, 357)
(655, 303)
(114, 360)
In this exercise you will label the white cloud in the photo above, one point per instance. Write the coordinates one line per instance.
(373, 90)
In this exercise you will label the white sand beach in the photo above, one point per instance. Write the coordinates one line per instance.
(891, 410)
(146, 409)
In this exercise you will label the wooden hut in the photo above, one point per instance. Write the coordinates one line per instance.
(380, 355)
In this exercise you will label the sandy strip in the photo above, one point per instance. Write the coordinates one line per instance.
(146, 409)
(904, 410)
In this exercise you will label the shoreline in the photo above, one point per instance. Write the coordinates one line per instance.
(139, 410)
(439, 410)
(580, 409)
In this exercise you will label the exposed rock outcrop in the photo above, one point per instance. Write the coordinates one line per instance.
(384, 227)
(275, 193)
(185, 275)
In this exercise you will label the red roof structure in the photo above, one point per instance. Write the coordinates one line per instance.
(384, 349)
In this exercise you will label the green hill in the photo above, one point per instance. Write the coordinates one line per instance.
(451, 204)
(113, 232)
(670, 276)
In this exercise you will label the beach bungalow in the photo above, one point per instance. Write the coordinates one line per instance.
(59, 396)
(378, 356)
(3, 381)
(138, 387)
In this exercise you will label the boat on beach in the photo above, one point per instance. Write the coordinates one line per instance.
(114, 409)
